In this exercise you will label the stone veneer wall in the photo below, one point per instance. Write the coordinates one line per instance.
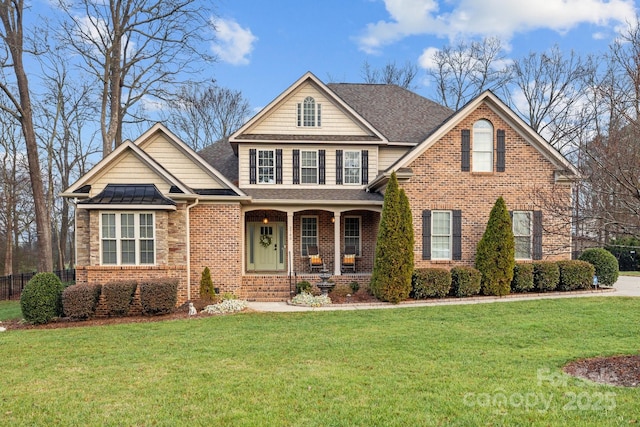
(439, 183)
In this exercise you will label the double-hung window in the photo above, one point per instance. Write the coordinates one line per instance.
(266, 167)
(352, 232)
(352, 167)
(309, 167)
(482, 146)
(127, 238)
(522, 234)
(309, 113)
(309, 233)
(441, 235)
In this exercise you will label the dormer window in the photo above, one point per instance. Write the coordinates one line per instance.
(309, 113)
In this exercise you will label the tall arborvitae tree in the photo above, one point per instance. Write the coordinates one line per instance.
(495, 255)
(393, 265)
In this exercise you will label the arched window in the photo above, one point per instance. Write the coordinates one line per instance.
(309, 112)
(482, 156)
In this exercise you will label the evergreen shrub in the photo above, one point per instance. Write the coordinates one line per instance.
(575, 274)
(207, 291)
(546, 276)
(431, 282)
(465, 281)
(79, 302)
(118, 296)
(41, 298)
(522, 277)
(158, 296)
(303, 286)
(605, 263)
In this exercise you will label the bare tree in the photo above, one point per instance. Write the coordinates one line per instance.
(552, 86)
(136, 49)
(390, 74)
(463, 71)
(20, 107)
(203, 115)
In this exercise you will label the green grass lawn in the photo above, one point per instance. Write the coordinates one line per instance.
(10, 310)
(630, 273)
(485, 364)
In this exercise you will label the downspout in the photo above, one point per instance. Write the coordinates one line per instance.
(188, 224)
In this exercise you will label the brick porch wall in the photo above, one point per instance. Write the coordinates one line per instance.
(438, 183)
(277, 288)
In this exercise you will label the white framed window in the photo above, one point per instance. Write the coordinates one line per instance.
(352, 232)
(441, 235)
(309, 167)
(127, 238)
(266, 167)
(522, 227)
(309, 113)
(308, 233)
(482, 146)
(352, 167)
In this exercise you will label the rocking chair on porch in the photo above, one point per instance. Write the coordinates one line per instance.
(315, 260)
(349, 259)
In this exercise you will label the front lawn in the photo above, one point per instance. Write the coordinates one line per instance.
(10, 310)
(484, 364)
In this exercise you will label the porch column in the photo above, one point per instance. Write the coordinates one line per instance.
(336, 243)
(290, 242)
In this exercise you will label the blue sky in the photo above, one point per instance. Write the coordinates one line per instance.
(264, 46)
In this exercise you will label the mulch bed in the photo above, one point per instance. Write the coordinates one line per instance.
(621, 371)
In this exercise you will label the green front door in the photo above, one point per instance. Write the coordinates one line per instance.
(266, 246)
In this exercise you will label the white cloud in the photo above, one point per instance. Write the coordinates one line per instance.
(503, 18)
(234, 43)
(426, 59)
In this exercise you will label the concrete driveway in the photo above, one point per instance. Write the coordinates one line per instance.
(625, 286)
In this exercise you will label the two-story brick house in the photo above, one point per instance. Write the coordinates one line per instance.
(309, 171)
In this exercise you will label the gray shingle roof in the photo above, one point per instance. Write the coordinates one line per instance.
(399, 114)
(220, 155)
(309, 195)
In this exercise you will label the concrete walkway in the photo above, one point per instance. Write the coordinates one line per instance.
(627, 286)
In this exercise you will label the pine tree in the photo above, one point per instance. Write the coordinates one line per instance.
(393, 265)
(206, 285)
(495, 254)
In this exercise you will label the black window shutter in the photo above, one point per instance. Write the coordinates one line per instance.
(339, 167)
(457, 235)
(426, 234)
(252, 166)
(365, 166)
(537, 235)
(279, 166)
(500, 151)
(466, 150)
(321, 166)
(296, 166)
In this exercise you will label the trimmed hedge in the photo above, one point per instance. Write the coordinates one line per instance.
(606, 265)
(41, 298)
(522, 278)
(575, 274)
(158, 296)
(546, 276)
(430, 282)
(118, 296)
(465, 281)
(79, 302)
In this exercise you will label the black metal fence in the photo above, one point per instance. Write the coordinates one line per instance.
(11, 286)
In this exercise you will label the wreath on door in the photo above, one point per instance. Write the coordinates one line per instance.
(265, 240)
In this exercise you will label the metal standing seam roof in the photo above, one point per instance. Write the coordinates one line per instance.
(129, 194)
(315, 194)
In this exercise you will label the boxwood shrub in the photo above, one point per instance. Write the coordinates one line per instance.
(575, 274)
(465, 281)
(118, 296)
(41, 298)
(430, 282)
(522, 277)
(158, 296)
(606, 265)
(80, 301)
(546, 276)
